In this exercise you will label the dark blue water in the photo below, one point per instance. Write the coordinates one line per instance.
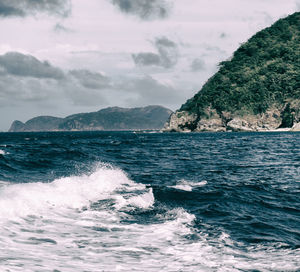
(123, 201)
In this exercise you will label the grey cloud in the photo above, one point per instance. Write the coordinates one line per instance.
(91, 80)
(197, 65)
(168, 52)
(22, 8)
(81, 96)
(14, 90)
(7, 10)
(145, 59)
(61, 28)
(25, 79)
(167, 56)
(150, 91)
(144, 9)
(223, 35)
(28, 66)
(20, 91)
(164, 42)
(77, 88)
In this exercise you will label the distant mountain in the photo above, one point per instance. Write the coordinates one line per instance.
(113, 118)
(258, 89)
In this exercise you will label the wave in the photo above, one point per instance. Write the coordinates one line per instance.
(188, 186)
(75, 192)
(88, 223)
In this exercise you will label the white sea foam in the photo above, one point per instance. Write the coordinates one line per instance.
(188, 186)
(71, 193)
(3, 183)
(2, 152)
(82, 223)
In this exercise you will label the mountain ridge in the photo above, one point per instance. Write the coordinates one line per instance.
(111, 118)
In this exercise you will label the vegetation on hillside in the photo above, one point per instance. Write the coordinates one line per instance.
(263, 72)
(113, 118)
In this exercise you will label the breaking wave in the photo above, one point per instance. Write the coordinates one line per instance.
(188, 186)
(87, 222)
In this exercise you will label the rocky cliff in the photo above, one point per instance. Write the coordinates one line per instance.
(258, 89)
(113, 118)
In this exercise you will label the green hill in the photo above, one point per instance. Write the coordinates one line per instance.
(113, 118)
(257, 89)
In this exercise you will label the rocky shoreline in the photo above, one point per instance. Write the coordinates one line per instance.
(271, 120)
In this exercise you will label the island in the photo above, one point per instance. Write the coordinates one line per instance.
(258, 89)
(112, 118)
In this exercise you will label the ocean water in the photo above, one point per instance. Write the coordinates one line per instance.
(124, 201)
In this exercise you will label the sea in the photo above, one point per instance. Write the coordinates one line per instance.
(148, 201)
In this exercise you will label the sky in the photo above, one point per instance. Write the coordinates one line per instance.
(60, 57)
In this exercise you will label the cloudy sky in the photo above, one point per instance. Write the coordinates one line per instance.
(59, 57)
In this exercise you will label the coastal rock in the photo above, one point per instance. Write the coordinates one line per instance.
(180, 121)
(183, 121)
(268, 121)
(238, 124)
(212, 122)
(296, 127)
(211, 125)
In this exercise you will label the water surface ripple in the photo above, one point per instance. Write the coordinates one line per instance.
(124, 201)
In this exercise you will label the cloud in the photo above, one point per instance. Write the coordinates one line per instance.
(33, 87)
(22, 8)
(18, 64)
(91, 80)
(19, 90)
(61, 28)
(223, 35)
(80, 96)
(166, 57)
(7, 10)
(148, 90)
(168, 52)
(197, 65)
(146, 59)
(25, 79)
(144, 9)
